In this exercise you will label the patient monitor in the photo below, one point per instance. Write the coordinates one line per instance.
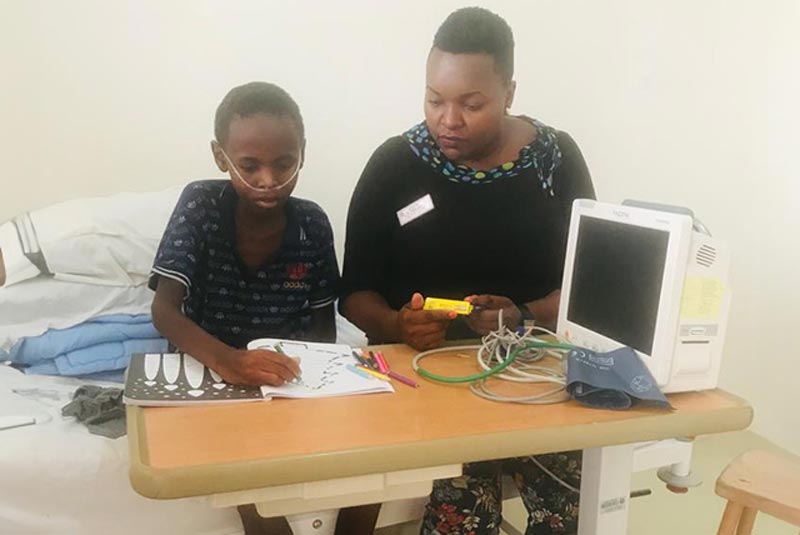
(644, 278)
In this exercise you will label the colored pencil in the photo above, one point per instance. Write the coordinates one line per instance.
(361, 360)
(372, 372)
(402, 379)
(373, 361)
(366, 360)
(299, 378)
(383, 367)
(359, 371)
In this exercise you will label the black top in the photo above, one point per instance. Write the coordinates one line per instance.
(224, 297)
(506, 237)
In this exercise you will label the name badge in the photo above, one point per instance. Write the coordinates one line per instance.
(421, 206)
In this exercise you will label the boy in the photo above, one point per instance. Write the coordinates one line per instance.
(241, 259)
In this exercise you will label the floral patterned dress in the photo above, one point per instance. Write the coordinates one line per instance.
(472, 504)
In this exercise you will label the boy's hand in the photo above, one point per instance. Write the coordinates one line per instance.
(258, 367)
(422, 329)
(485, 320)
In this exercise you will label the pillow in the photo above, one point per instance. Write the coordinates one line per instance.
(106, 240)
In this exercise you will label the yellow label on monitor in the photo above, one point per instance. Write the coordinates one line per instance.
(702, 298)
(451, 305)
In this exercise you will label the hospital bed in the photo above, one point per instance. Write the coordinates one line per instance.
(56, 477)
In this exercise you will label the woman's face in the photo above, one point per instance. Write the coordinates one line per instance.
(465, 103)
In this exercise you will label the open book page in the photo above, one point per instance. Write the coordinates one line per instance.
(178, 379)
(158, 379)
(324, 371)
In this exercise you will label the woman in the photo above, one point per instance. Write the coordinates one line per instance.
(473, 202)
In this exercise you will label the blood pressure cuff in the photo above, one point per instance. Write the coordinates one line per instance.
(614, 380)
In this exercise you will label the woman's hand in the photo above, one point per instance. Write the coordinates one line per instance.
(422, 329)
(485, 319)
(257, 367)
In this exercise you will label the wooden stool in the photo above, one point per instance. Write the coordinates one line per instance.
(756, 481)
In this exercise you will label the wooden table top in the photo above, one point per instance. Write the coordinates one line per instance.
(187, 451)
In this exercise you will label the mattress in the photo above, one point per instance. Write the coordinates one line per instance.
(57, 478)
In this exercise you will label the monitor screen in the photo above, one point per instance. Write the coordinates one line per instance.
(616, 280)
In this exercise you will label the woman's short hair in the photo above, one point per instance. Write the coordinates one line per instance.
(250, 99)
(472, 30)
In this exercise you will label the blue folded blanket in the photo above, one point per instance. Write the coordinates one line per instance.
(99, 344)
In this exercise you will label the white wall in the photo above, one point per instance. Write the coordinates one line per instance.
(687, 102)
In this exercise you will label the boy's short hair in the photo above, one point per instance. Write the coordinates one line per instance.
(252, 98)
(472, 30)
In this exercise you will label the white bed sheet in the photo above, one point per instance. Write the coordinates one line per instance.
(32, 307)
(57, 478)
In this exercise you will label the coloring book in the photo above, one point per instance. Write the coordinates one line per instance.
(178, 379)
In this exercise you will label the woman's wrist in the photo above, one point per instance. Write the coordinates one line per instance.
(545, 310)
(394, 326)
(525, 313)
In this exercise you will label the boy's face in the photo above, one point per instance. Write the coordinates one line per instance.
(266, 150)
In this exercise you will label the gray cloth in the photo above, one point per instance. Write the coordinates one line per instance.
(614, 380)
(100, 409)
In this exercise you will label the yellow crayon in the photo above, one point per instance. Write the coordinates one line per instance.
(379, 375)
